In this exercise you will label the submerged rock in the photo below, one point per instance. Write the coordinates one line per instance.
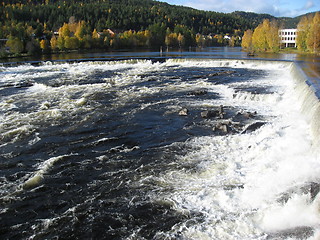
(209, 114)
(245, 115)
(223, 72)
(183, 112)
(23, 84)
(223, 127)
(219, 113)
(199, 92)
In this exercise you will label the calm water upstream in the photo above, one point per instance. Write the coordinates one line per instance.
(147, 149)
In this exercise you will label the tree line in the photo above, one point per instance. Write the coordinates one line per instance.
(78, 35)
(29, 25)
(265, 37)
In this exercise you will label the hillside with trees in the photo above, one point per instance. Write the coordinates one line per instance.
(36, 26)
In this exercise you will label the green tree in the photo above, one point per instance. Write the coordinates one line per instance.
(15, 45)
(157, 34)
(60, 43)
(71, 43)
(33, 46)
(171, 40)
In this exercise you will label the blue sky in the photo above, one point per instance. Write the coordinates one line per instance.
(278, 8)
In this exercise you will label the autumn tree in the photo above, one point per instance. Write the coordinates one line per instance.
(44, 45)
(313, 39)
(64, 31)
(259, 41)
(232, 41)
(96, 40)
(247, 40)
(266, 37)
(200, 40)
(171, 40)
(308, 38)
(303, 33)
(273, 39)
(53, 43)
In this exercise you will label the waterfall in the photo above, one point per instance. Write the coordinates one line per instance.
(308, 91)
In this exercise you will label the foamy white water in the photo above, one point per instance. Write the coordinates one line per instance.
(242, 185)
(252, 186)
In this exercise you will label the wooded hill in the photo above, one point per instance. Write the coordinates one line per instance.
(160, 23)
(122, 15)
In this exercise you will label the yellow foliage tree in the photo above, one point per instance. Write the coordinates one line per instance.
(259, 41)
(44, 45)
(64, 31)
(54, 43)
(181, 40)
(308, 38)
(272, 35)
(303, 32)
(266, 37)
(313, 38)
(81, 30)
(247, 40)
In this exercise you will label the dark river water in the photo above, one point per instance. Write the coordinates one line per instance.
(155, 149)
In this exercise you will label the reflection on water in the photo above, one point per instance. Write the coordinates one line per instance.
(211, 52)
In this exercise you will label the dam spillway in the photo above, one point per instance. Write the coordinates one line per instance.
(99, 150)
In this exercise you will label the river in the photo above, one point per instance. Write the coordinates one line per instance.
(198, 145)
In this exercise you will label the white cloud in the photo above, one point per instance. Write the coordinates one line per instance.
(309, 4)
(278, 8)
(236, 5)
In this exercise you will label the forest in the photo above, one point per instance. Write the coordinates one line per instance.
(36, 26)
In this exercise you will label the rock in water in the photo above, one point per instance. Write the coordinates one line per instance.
(314, 190)
(183, 112)
(223, 127)
(24, 84)
(199, 92)
(209, 114)
(252, 127)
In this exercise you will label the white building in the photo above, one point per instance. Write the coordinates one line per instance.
(288, 37)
